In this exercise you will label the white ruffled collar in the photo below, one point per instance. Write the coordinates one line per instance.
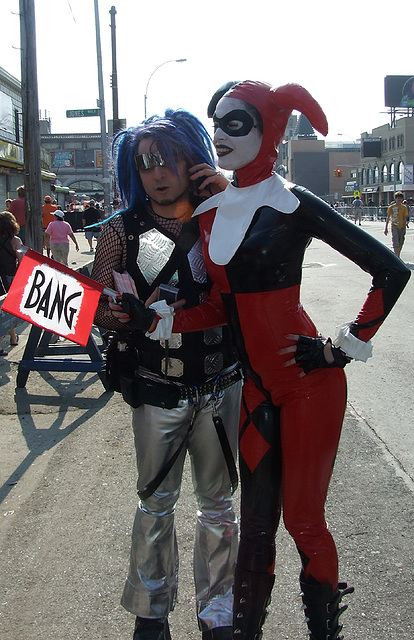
(236, 207)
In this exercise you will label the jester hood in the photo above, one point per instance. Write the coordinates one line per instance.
(275, 106)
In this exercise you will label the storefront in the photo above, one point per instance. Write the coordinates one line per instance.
(12, 172)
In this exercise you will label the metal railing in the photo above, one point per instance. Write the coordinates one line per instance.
(368, 213)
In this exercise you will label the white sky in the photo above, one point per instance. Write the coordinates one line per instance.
(339, 51)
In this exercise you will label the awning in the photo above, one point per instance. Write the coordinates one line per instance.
(371, 189)
(48, 175)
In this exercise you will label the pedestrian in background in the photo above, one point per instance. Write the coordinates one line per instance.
(408, 204)
(48, 210)
(18, 209)
(116, 205)
(10, 256)
(357, 207)
(91, 215)
(397, 214)
(58, 233)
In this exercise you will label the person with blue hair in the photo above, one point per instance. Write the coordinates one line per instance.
(185, 390)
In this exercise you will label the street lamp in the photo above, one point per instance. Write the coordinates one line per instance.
(159, 66)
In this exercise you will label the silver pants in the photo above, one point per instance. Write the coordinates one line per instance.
(151, 587)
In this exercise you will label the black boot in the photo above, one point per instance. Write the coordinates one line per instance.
(151, 629)
(251, 597)
(218, 633)
(321, 606)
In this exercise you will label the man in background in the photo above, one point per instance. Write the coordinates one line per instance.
(357, 207)
(397, 214)
(18, 209)
(91, 215)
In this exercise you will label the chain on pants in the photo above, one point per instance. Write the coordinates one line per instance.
(151, 586)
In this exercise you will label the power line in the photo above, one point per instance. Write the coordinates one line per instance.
(70, 8)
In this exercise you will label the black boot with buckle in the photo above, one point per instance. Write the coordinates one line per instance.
(321, 604)
(151, 629)
(251, 599)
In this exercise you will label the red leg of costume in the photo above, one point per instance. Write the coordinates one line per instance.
(311, 418)
(287, 452)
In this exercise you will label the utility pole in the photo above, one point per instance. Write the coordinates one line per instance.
(31, 127)
(104, 139)
(114, 78)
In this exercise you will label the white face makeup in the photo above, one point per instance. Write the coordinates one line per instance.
(236, 137)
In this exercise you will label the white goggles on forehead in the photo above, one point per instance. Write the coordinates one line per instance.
(145, 161)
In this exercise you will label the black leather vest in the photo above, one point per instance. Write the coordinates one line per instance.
(155, 256)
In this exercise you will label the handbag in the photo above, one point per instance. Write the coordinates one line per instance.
(121, 360)
(121, 371)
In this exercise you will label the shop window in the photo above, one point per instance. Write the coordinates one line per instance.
(17, 125)
(400, 171)
(84, 158)
(400, 141)
(364, 176)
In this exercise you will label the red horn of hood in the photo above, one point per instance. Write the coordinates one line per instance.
(293, 96)
(275, 106)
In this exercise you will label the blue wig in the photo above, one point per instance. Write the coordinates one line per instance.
(177, 131)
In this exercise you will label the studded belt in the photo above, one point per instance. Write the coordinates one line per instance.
(211, 386)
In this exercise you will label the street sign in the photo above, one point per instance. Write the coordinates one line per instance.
(357, 193)
(82, 113)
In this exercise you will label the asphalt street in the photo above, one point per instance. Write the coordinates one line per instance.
(67, 486)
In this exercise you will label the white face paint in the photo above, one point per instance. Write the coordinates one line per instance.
(235, 148)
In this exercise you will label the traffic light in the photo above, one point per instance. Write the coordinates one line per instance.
(338, 173)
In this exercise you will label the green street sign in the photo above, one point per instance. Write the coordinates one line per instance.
(82, 113)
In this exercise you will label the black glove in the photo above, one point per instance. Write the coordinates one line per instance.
(310, 355)
(141, 316)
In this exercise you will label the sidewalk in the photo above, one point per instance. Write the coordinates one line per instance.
(68, 497)
(68, 476)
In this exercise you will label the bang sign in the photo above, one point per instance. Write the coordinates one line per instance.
(54, 297)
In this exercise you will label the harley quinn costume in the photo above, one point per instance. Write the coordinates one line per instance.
(254, 237)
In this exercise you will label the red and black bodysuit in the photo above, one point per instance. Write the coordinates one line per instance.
(260, 288)
(290, 425)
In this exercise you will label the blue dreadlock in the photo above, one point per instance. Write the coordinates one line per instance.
(178, 130)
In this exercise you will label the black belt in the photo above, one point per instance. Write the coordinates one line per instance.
(218, 384)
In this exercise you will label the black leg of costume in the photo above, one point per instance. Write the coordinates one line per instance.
(260, 514)
(321, 604)
(217, 633)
